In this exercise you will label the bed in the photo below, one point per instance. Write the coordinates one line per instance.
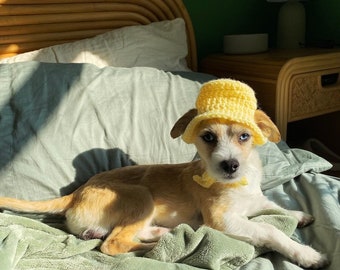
(88, 86)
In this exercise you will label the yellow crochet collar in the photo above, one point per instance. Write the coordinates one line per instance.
(207, 181)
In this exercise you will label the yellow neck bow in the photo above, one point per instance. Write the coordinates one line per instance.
(207, 181)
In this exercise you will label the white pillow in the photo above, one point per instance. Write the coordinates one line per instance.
(66, 122)
(160, 45)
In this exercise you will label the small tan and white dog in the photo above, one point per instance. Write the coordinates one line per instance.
(220, 190)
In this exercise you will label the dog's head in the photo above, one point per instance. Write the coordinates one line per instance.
(226, 147)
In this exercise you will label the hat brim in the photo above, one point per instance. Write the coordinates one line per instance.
(190, 132)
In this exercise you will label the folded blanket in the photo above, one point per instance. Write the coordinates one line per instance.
(30, 244)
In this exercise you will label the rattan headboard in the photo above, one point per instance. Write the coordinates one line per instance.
(27, 25)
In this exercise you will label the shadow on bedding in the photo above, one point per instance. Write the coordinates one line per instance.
(94, 161)
(86, 165)
(30, 93)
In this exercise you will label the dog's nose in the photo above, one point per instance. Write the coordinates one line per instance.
(230, 166)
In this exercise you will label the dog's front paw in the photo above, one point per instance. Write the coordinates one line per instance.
(310, 258)
(303, 218)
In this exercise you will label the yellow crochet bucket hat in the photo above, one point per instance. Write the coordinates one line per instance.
(229, 100)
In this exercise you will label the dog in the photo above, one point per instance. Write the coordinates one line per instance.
(219, 190)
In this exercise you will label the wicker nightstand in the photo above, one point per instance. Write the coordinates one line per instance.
(290, 85)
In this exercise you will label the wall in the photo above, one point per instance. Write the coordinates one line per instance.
(214, 18)
(323, 21)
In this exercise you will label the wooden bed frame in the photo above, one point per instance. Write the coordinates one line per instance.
(27, 25)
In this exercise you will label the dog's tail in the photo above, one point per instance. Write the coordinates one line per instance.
(54, 206)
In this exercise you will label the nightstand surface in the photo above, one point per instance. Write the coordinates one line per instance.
(290, 84)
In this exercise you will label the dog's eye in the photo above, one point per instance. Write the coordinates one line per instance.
(244, 137)
(209, 137)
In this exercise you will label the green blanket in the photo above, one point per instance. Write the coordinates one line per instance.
(30, 244)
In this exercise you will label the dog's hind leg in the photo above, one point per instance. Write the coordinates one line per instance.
(152, 233)
(133, 213)
(122, 240)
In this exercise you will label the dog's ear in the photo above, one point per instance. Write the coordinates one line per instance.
(182, 123)
(268, 128)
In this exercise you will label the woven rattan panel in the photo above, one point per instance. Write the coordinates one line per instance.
(27, 25)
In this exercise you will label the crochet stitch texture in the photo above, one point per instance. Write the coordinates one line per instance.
(229, 100)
